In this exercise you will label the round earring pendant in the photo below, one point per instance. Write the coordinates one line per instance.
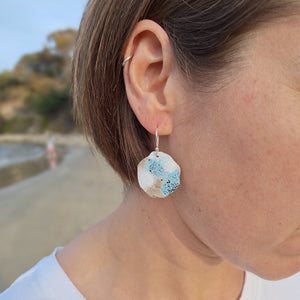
(158, 176)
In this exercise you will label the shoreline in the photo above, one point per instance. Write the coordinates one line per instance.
(72, 139)
(22, 169)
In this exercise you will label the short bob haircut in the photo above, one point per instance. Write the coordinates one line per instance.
(205, 36)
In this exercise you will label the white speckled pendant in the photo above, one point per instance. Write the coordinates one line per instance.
(158, 174)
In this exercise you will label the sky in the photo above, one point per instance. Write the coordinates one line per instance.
(25, 24)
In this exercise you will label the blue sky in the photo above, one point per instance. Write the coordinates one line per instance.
(25, 24)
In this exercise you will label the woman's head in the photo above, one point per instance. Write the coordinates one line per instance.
(204, 36)
(220, 80)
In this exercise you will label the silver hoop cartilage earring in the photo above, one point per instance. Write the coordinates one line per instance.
(158, 174)
(126, 60)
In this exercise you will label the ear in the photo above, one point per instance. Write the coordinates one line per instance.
(147, 77)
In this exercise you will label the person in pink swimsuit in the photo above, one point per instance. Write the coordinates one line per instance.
(51, 153)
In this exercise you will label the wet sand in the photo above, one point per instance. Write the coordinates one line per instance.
(49, 210)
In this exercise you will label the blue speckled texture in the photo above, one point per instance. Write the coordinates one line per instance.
(158, 167)
(154, 166)
(172, 183)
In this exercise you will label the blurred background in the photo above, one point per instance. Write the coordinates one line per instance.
(52, 187)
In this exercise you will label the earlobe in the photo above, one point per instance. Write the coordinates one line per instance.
(146, 74)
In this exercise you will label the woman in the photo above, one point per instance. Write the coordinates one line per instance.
(215, 85)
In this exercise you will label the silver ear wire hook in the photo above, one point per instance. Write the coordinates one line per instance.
(126, 60)
(157, 143)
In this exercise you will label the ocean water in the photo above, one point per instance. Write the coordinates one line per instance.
(16, 153)
(21, 161)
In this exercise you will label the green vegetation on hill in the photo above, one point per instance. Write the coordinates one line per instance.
(35, 97)
(8, 81)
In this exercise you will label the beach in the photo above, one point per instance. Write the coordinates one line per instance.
(50, 209)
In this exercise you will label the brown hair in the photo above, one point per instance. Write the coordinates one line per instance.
(204, 35)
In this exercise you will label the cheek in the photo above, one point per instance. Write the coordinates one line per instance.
(243, 175)
(265, 146)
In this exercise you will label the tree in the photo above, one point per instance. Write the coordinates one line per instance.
(54, 60)
(50, 102)
(62, 41)
(43, 62)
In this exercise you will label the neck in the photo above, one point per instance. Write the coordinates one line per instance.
(149, 239)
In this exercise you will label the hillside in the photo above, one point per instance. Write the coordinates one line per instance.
(34, 96)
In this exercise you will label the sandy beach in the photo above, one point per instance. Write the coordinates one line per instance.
(50, 209)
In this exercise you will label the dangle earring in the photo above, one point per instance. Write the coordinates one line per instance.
(158, 174)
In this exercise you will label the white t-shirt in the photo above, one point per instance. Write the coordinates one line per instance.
(48, 281)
